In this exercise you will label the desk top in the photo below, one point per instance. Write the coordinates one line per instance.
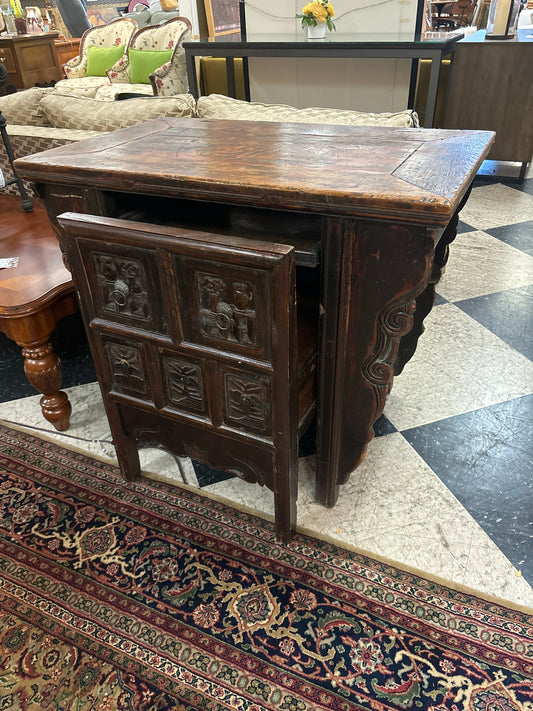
(297, 37)
(394, 173)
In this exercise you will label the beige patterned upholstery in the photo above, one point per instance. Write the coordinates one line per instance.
(72, 112)
(113, 34)
(23, 108)
(26, 140)
(171, 78)
(216, 106)
(84, 86)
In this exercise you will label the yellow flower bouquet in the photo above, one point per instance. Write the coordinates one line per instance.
(317, 11)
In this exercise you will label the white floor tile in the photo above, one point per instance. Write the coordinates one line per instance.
(481, 264)
(495, 205)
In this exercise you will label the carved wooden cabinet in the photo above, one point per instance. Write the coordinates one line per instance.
(194, 337)
(370, 212)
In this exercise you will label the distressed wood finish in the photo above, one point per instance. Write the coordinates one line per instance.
(194, 337)
(380, 200)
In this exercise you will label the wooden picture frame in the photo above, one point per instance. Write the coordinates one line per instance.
(222, 16)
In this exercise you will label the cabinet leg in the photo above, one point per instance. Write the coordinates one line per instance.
(43, 370)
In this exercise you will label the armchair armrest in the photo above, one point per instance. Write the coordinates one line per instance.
(120, 71)
(76, 68)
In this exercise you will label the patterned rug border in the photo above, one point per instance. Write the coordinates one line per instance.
(343, 545)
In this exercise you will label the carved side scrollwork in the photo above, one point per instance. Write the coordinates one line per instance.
(123, 286)
(394, 322)
(227, 309)
(127, 369)
(248, 402)
(184, 384)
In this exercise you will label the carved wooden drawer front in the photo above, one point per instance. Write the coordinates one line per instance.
(194, 337)
(124, 285)
(223, 306)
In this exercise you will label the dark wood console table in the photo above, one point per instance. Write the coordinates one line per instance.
(373, 45)
(370, 211)
(30, 59)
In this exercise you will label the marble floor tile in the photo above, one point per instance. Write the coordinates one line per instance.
(482, 458)
(519, 235)
(481, 264)
(393, 505)
(459, 366)
(508, 314)
(495, 204)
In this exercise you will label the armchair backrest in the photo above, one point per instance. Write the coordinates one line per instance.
(156, 38)
(115, 33)
(171, 77)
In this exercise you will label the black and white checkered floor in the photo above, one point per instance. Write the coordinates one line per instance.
(447, 486)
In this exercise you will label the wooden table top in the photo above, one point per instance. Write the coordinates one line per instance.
(40, 275)
(402, 174)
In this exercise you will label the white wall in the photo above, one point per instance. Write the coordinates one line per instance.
(363, 84)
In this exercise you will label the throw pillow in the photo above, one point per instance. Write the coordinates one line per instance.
(216, 106)
(77, 112)
(100, 59)
(144, 62)
(23, 109)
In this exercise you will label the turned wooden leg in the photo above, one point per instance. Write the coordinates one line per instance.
(43, 370)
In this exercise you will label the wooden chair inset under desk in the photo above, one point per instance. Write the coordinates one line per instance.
(369, 211)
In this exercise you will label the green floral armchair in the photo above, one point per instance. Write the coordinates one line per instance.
(168, 79)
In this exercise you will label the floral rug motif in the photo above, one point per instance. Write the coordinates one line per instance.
(148, 597)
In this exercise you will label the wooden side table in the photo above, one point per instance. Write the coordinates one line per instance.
(30, 59)
(34, 296)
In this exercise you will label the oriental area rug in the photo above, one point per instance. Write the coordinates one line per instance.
(149, 597)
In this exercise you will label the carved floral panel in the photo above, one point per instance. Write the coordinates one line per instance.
(184, 384)
(126, 367)
(247, 401)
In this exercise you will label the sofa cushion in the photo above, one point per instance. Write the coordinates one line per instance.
(23, 108)
(92, 115)
(100, 59)
(144, 62)
(217, 106)
(85, 87)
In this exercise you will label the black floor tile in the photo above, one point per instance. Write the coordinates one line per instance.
(206, 475)
(463, 227)
(70, 344)
(519, 235)
(484, 458)
(382, 426)
(507, 314)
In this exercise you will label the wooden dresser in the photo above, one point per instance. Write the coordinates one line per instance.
(30, 59)
(370, 213)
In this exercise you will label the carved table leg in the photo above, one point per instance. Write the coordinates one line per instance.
(373, 274)
(43, 370)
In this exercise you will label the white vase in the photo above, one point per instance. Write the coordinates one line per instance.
(316, 32)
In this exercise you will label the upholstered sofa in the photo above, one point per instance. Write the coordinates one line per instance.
(43, 118)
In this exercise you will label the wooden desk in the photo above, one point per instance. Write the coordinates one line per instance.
(380, 203)
(30, 59)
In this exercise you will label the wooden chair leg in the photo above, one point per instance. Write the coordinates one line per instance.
(43, 370)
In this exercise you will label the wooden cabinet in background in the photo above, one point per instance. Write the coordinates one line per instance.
(30, 59)
(66, 50)
(491, 89)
